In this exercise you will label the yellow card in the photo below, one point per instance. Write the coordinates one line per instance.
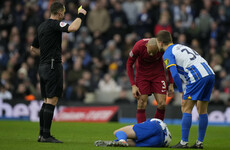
(80, 8)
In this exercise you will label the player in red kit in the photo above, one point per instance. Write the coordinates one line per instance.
(149, 78)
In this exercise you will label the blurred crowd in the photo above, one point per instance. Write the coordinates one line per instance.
(94, 58)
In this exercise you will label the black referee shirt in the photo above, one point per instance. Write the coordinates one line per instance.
(49, 39)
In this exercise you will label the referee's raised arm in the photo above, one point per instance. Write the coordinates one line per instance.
(75, 25)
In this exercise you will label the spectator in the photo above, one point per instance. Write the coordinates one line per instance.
(4, 93)
(182, 39)
(226, 49)
(130, 9)
(144, 21)
(163, 24)
(85, 81)
(221, 23)
(98, 20)
(214, 30)
(204, 23)
(117, 28)
(6, 16)
(154, 12)
(32, 70)
(5, 77)
(20, 92)
(76, 73)
(118, 39)
(113, 70)
(228, 102)
(216, 101)
(118, 13)
(193, 32)
(110, 52)
(185, 17)
(211, 8)
(225, 84)
(84, 37)
(227, 7)
(196, 45)
(123, 82)
(78, 94)
(108, 84)
(96, 75)
(122, 99)
(96, 48)
(4, 37)
(175, 8)
(3, 58)
(86, 58)
(68, 19)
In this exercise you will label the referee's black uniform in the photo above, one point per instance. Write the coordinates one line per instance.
(49, 39)
(47, 44)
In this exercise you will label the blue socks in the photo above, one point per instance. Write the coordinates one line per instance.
(203, 123)
(121, 135)
(185, 126)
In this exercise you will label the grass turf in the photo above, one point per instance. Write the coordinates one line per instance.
(22, 135)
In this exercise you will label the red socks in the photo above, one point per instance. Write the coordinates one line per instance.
(141, 115)
(160, 114)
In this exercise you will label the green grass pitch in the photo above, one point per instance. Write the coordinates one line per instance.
(22, 135)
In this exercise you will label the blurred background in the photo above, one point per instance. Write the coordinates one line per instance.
(94, 58)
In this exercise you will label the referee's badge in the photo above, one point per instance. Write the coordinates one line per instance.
(131, 54)
(62, 24)
(166, 61)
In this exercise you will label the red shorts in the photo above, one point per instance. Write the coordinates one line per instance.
(147, 87)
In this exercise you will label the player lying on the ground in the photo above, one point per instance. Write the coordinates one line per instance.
(151, 133)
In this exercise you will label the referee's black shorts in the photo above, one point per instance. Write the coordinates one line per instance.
(51, 80)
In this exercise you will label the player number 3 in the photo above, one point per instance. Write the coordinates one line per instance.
(163, 84)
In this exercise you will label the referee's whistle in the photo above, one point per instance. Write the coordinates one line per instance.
(52, 63)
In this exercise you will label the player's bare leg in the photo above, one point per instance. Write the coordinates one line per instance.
(128, 130)
(141, 107)
(202, 107)
(161, 104)
(48, 117)
(131, 142)
(187, 106)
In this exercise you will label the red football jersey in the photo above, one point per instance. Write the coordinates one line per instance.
(147, 67)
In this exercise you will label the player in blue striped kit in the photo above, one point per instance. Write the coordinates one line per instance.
(151, 133)
(188, 66)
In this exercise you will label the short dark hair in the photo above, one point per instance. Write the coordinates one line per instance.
(164, 37)
(55, 7)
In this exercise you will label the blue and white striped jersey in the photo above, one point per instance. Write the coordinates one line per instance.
(190, 65)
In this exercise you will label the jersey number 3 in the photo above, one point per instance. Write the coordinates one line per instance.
(193, 53)
(163, 84)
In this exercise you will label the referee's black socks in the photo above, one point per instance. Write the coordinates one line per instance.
(41, 118)
(48, 116)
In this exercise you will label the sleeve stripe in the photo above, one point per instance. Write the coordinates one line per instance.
(170, 65)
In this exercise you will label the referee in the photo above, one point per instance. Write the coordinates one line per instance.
(47, 44)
